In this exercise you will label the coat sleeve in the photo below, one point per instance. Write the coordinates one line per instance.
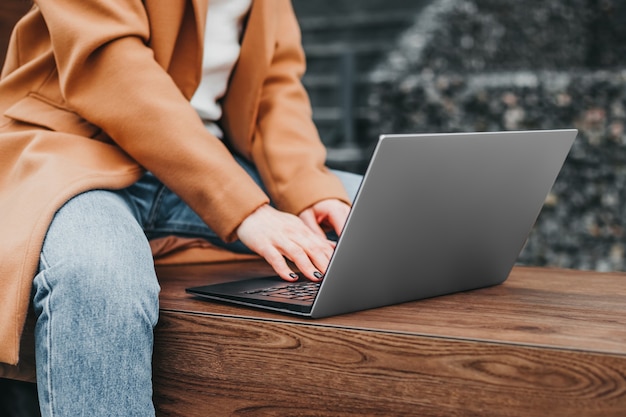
(109, 76)
(286, 146)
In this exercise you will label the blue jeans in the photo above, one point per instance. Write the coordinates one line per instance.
(96, 296)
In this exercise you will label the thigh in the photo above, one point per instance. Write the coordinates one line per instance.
(96, 230)
(95, 297)
(169, 215)
(95, 252)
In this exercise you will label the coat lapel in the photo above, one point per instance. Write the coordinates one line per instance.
(165, 21)
(177, 33)
(200, 8)
(241, 101)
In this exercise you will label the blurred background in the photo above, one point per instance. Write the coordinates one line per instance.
(399, 66)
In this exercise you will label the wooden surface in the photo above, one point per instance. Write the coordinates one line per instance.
(544, 343)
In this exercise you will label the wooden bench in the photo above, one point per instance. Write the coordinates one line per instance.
(547, 342)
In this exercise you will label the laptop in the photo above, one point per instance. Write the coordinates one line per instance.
(435, 214)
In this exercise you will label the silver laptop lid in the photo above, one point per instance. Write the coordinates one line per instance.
(440, 213)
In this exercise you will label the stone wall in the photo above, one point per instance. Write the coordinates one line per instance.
(486, 65)
(581, 223)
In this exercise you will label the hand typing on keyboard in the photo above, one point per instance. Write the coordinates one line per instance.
(278, 236)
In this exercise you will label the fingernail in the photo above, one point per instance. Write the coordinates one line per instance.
(293, 275)
(317, 275)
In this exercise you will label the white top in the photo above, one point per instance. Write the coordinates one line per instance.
(221, 50)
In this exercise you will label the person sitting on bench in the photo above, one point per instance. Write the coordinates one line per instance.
(128, 121)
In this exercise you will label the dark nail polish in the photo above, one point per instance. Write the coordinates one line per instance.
(293, 275)
(317, 275)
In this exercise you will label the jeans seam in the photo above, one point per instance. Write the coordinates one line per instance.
(48, 340)
(172, 227)
(152, 215)
(185, 229)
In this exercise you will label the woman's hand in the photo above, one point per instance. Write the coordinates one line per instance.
(326, 215)
(276, 235)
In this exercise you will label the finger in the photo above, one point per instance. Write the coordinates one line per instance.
(320, 253)
(308, 218)
(279, 264)
(336, 217)
(337, 221)
(320, 262)
(297, 254)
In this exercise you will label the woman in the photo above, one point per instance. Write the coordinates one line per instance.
(129, 120)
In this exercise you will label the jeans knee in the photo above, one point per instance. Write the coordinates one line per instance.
(101, 288)
(96, 257)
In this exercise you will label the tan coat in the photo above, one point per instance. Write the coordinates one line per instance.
(95, 91)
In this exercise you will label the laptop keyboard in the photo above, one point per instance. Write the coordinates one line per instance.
(303, 291)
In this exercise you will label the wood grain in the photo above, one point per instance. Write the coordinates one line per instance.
(221, 366)
(566, 309)
(545, 343)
